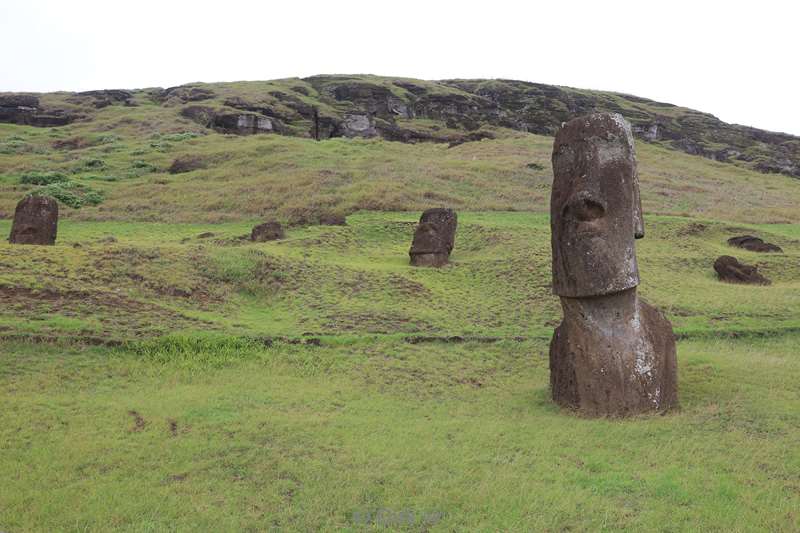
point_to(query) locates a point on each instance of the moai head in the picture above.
(434, 237)
(595, 210)
(35, 221)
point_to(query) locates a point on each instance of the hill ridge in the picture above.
(412, 110)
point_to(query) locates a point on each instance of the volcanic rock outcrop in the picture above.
(729, 269)
(25, 109)
(754, 244)
(35, 221)
(232, 122)
(613, 354)
(434, 238)
(268, 231)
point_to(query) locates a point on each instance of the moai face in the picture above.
(35, 221)
(595, 210)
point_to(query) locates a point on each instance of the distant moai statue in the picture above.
(613, 354)
(434, 237)
(35, 221)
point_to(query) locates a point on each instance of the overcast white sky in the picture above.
(737, 60)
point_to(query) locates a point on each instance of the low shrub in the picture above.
(42, 178)
(143, 166)
(90, 164)
(102, 178)
(178, 137)
(13, 147)
(71, 194)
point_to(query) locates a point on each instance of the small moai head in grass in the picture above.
(595, 210)
(434, 237)
(268, 231)
(35, 221)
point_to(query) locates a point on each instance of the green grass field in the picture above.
(218, 435)
(209, 417)
(160, 373)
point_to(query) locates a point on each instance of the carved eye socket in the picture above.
(584, 209)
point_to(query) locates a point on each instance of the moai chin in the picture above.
(613, 354)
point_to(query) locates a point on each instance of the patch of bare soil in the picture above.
(138, 421)
(692, 229)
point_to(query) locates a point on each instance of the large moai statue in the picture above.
(613, 354)
(35, 221)
(434, 237)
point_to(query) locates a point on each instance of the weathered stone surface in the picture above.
(358, 125)
(184, 93)
(245, 123)
(238, 123)
(35, 221)
(201, 114)
(594, 196)
(269, 110)
(19, 100)
(754, 244)
(106, 97)
(25, 109)
(729, 269)
(268, 231)
(186, 163)
(434, 238)
(613, 354)
(324, 127)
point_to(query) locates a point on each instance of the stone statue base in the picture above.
(430, 260)
(613, 355)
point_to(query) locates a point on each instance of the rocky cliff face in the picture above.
(406, 110)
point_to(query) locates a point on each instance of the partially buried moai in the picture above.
(613, 354)
(35, 221)
(434, 237)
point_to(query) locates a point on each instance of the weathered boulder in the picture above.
(729, 269)
(184, 93)
(106, 97)
(246, 123)
(25, 109)
(201, 114)
(434, 238)
(227, 122)
(323, 126)
(269, 110)
(268, 231)
(186, 163)
(19, 100)
(358, 125)
(613, 354)
(754, 244)
(35, 221)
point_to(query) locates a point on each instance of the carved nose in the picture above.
(584, 207)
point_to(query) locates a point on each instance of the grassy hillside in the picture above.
(158, 371)
(246, 177)
(324, 281)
